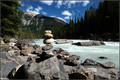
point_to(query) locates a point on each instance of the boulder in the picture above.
(106, 74)
(71, 62)
(91, 62)
(91, 43)
(102, 57)
(109, 65)
(48, 41)
(92, 69)
(63, 41)
(8, 61)
(48, 69)
(27, 51)
(74, 57)
(61, 54)
(101, 74)
(80, 73)
(61, 51)
(114, 74)
(13, 72)
(47, 47)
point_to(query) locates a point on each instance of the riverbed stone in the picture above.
(91, 62)
(109, 64)
(103, 57)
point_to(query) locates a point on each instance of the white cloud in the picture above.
(73, 2)
(34, 11)
(49, 3)
(67, 17)
(59, 3)
(58, 18)
(44, 13)
(66, 12)
(85, 3)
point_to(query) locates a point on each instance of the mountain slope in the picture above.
(37, 22)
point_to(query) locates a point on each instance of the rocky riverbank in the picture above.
(21, 60)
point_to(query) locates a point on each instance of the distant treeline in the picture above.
(100, 23)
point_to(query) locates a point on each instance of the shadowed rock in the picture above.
(48, 69)
(91, 62)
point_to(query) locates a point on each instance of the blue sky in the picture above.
(62, 9)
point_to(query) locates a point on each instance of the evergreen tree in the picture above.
(10, 18)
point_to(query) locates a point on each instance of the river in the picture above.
(110, 50)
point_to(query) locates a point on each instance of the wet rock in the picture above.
(71, 62)
(61, 51)
(91, 43)
(108, 65)
(91, 62)
(74, 57)
(63, 41)
(48, 69)
(102, 57)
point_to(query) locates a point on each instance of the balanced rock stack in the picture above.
(48, 40)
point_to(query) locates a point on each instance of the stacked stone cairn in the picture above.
(46, 49)
(48, 40)
(48, 37)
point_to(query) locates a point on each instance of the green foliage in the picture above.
(10, 19)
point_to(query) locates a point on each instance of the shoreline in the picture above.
(68, 60)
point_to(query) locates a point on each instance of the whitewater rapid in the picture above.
(110, 50)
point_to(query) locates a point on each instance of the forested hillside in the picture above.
(100, 23)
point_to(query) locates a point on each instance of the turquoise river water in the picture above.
(110, 50)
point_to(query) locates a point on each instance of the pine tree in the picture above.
(10, 18)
